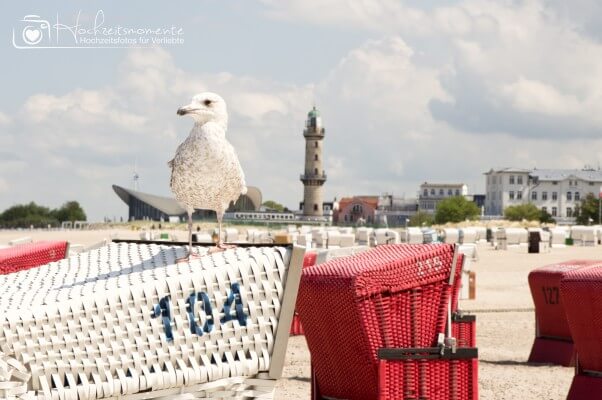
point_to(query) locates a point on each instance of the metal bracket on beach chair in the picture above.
(459, 316)
(427, 353)
(450, 342)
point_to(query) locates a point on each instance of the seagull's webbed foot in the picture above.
(190, 256)
(221, 247)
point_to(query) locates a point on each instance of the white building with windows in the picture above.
(557, 191)
(432, 193)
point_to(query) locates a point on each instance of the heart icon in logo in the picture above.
(32, 36)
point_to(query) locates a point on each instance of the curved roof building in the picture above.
(149, 206)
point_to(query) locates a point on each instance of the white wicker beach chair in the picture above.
(126, 322)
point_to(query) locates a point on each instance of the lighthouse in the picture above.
(314, 177)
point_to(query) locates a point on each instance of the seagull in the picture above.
(205, 172)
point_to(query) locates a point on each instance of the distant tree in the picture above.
(70, 211)
(271, 205)
(588, 210)
(456, 209)
(421, 219)
(26, 215)
(32, 214)
(545, 217)
(521, 212)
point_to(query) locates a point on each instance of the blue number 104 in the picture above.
(163, 310)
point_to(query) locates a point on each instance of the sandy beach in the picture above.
(504, 310)
(504, 338)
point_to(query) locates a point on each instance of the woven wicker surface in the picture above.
(544, 283)
(432, 380)
(390, 296)
(581, 291)
(117, 321)
(25, 256)
(308, 261)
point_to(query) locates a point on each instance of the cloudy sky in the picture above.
(410, 91)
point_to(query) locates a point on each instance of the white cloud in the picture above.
(384, 16)
(515, 61)
(4, 188)
(439, 93)
(537, 97)
(4, 119)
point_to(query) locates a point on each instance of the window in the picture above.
(315, 207)
(519, 179)
(346, 216)
(425, 193)
(554, 196)
(533, 195)
(511, 180)
(494, 179)
(316, 171)
(315, 157)
(544, 209)
(569, 196)
(519, 195)
(591, 183)
(555, 183)
(569, 212)
(316, 145)
(441, 192)
(554, 212)
(432, 192)
(511, 194)
(577, 196)
(457, 192)
(544, 196)
(449, 192)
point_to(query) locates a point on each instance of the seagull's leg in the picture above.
(189, 234)
(220, 246)
(190, 255)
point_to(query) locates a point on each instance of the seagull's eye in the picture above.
(207, 103)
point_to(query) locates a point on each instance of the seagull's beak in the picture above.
(185, 110)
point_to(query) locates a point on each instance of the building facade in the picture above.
(431, 194)
(556, 191)
(383, 210)
(314, 176)
(146, 206)
(352, 210)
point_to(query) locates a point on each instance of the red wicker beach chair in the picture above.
(377, 320)
(25, 256)
(296, 328)
(553, 342)
(581, 292)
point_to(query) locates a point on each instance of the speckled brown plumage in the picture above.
(205, 172)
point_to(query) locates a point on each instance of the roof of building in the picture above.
(166, 205)
(507, 170)
(586, 174)
(561, 174)
(370, 200)
(313, 113)
(170, 206)
(443, 184)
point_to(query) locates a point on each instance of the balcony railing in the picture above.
(321, 176)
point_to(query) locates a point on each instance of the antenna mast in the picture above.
(136, 176)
